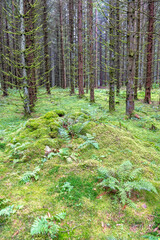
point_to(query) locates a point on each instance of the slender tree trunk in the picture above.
(158, 56)
(80, 50)
(131, 58)
(91, 62)
(27, 110)
(100, 58)
(106, 58)
(71, 23)
(46, 51)
(117, 47)
(96, 49)
(8, 53)
(30, 49)
(3, 76)
(149, 52)
(112, 57)
(137, 55)
(63, 67)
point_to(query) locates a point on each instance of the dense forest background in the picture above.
(79, 44)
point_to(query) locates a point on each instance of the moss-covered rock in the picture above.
(60, 113)
(50, 115)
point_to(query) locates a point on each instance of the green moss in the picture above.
(79, 114)
(50, 115)
(60, 113)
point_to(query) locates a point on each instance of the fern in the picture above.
(64, 134)
(123, 181)
(6, 212)
(30, 175)
(60, 216)
(89, 141)
(45, 225)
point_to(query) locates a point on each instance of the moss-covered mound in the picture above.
(30, 141)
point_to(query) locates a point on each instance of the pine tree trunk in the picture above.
(3, 76)
(96, 50)
(131, 58)
(112, 57)
(46, 51)
(80, 50)
(27, 110)
(149, 52)
(137, 55)
(91, 62)
(71, 23)
(63, 68)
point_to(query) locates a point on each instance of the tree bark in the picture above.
(46, 51)
(80, 50)
(63, 67)
(131, 58)
(149, 52)
(27, 110)
(112, 57)
(71, 23)
(137, 54)
(91, 62)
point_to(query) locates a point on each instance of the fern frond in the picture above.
(64, 133)
(60, 216)
(40, 226)
(7, 211)
(103, 172)
(27, 176)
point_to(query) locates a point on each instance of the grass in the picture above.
(90, 213)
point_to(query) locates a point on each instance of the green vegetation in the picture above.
(56, 155)
(124, 181)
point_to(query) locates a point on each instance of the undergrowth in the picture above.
(78, 142)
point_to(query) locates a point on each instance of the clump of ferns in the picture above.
(124, 181)
(47, 226)
(30, 175)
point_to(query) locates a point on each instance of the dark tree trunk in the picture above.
(80, 50)
(149, 52)
(71, 23)
(131, 58)
(63, 68)
(3, 76)
(112, 57)
(30, 50)
(91, 62)
(137, 55)
(46, 51)
(117, 47)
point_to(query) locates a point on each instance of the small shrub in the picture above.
(124, 181)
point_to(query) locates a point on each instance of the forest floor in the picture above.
(49, 168)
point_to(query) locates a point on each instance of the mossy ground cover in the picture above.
(68, 179)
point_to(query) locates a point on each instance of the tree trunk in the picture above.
(112, 57)
(149, 52)
(131, 58)
(117, 48)
(27, 110)
(46, 51)
(3, 76)
(71, 23)
(63, 68)
(91, 62)
(137, 55)
(80, 50)
(96, 49)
